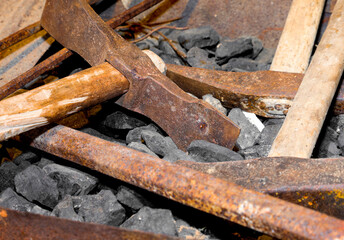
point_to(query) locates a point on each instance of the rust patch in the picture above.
(3, 213)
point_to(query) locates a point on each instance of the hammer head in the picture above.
(76, 26)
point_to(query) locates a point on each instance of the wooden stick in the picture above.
(55, 100)
(296, 43)
(300, 130)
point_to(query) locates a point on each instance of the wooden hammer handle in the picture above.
(296, 43)
(55, 100)
(301, 128)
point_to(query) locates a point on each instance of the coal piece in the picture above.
(102, 208)
(134, 135)
(157, 143)
(35, 185)
(198, 57)
(204, 151)
(142, 148)
(70, 181)
(27, 156)
(201, 37)
(131, 198)
(65, 209)
(228, 49)
(121, 121)
(159, 221)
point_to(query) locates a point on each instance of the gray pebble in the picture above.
(156, 142)
(65, 209)
(120, 120)
(198, 57)
(134, 135)
(232, 48)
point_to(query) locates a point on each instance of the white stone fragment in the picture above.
(252, 118)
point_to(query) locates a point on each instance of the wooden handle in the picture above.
(301, 128)
(296, 43)
(55, 100)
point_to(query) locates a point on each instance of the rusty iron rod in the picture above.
(54, 60)
(187, 186)
(20, 225)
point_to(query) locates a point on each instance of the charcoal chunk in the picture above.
(269, 134)
(35, 185)
(214, 102)
(142, 148)
(329, 148)
(65, 209)
(227, 49)
(95, 133)
(265, 56)
(156, 142)
(70, 181)
(159, 221)
(134, 135)
(249, 133)
(10, 199)
(120, 120)
(102, 208)
(340, 140)
(169, 59)
(198, 57)
(27, 156)
(8, 170)
(43, 162)
(203, 151)
(176, 155)
(131, 198)
(201, 37)
(38, 210)
(245, 64)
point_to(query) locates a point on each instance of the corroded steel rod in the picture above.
(20, 225)
(204, 192)
(54, 60)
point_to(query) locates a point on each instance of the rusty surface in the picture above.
(265, 93)
(54, 60)
(184, 118)
(20, 225)
(20, 35)
(313, 183)
(193, 188)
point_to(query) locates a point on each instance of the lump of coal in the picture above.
(43, 162)
(8, 170)
(214, 102)
(269, 134)
(201, 37)
(198, 57)
(159, 221)
(95, 133)
(27, 156)
(35, 185)
(203, 151)
(65, 209)
(70, 181)
(176, 155)
(134, 135)
(156, 142)
(102, 208)
(232, 48)
(131, 198)
(142, 148)
(244, 64)
(10, 199)
(120, 120)
(249, 133)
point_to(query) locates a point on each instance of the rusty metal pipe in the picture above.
(204, 192)
(20, 225)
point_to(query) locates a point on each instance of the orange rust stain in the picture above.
(3, 213)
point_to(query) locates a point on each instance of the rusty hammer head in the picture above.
(76, 26)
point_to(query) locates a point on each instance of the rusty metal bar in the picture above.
(204, 192)
(20, 35)
(20, 225)
(265, 93)
(54, 60)
(319, 183)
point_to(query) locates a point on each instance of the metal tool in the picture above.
(75, 25)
